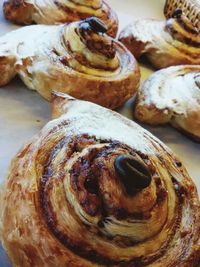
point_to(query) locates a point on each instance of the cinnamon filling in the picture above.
(89, 50)
(94, 183)
(183, 30)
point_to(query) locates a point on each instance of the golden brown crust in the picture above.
(66, 205)
(172, 96)
(74, 59)
(170, 43)
(18, 11)
(7, 69)
(58, 12)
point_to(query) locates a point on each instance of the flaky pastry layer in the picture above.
(172, 95)
(70, 58)
(59, 11)
(64, 204)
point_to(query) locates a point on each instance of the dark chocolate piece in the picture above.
(96, 25)
(177, 13)
(133, 172)
(91, 186)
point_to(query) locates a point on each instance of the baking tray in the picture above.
(24, 112)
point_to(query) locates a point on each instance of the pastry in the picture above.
(95, 189)
(78, 59)
(165, 43)
(191, 9)
(172, 95)
(60, 11)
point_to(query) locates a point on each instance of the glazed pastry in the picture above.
(172, 95)
(95, 189)
(78, 59)
(191, 9)
(60, 11)
(174, 42)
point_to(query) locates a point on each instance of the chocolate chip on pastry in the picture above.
(191, 9)
(172, 95)
(165, 43)
(59, 11)
(95, 189)
(78, 59)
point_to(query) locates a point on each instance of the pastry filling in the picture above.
(108, 195)
(89, 51)
(182, 29)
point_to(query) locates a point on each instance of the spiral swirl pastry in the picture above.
(60, 11)
(172, 95)
(78, 58)
(191, 9)
(164, 44)
(95, 189)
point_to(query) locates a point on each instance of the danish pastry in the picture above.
(174, 42)
(95, 189)
(59, 11)
(172, 95)
(191, 9)
(78, 59)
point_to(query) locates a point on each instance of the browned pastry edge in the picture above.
(165, 122)
(136, 47)
(105, 92)
(90, 79)
(18, 11)
(7, 69)
(151, 108)
(60, 106)
(163, 119)
(161, 43)
(191, 136)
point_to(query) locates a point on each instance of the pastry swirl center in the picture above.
(90, 51)
(80, 180)
(183, 30)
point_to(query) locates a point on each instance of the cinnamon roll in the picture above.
(191, 9)
(95, 189)
(172, 95)
(60, 11)
(174, 42)
(78, 59)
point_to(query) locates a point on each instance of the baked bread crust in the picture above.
(72, 58)
(174, 42)
(58, 12)
(64, 203)
(172, 95)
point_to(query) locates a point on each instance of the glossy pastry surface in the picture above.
(95, 189)
(165, 43)
(172, 95)
(60, 11)
(78, 59)
(191, 9)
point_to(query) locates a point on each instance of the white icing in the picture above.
(30, 41)
(154, 35)
(173, 88)
(39, 42)
(105, 125)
